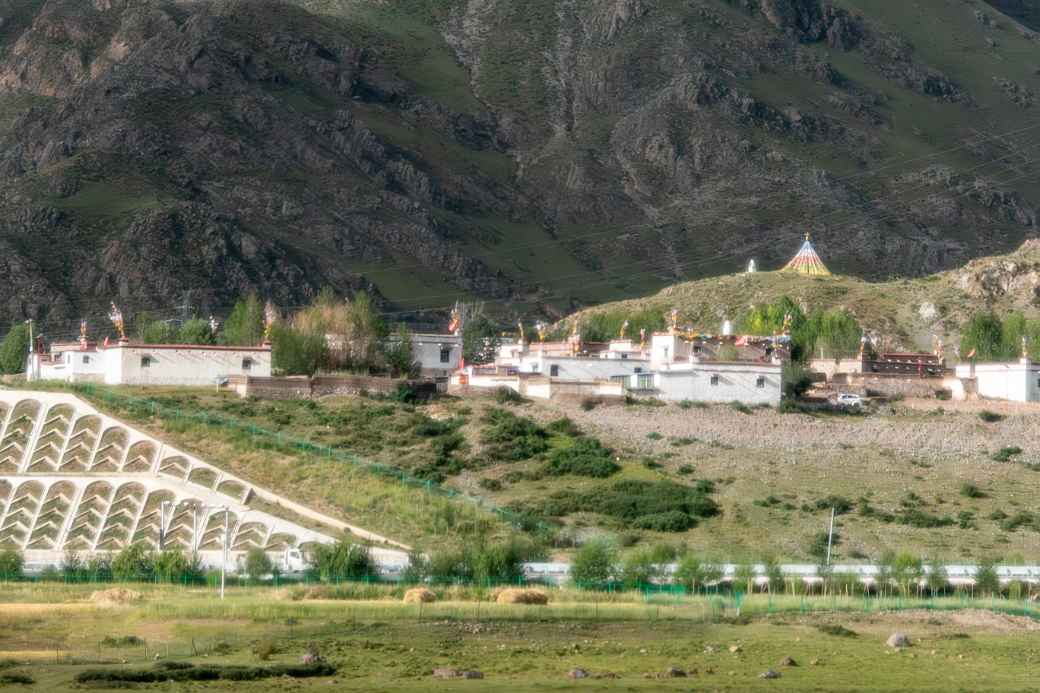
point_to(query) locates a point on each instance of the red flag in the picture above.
(106, 342)
(741, 341)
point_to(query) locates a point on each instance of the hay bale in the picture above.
(115, 596)
(419, 595)
(522, 596)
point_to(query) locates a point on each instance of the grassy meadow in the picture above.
(52, 634)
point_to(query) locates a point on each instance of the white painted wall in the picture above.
(583, 368)
(733, 381)
(182, 365)
(428, 350)
(1016, 382)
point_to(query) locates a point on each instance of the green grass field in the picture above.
(53, 633)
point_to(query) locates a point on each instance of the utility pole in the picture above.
(830, 537)
(30, 371)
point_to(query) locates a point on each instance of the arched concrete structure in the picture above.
(75, 479)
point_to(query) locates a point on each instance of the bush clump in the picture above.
(640, 504)
(511, 438)
(1006, 454)
(505, 395)
(121, 641)
(586, 457)
(203, 673)
(990, 416)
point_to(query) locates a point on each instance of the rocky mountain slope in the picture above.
(906, 313)
(544, 155)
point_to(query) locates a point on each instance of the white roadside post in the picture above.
(223, 558)
(830, 537)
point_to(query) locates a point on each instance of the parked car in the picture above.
(849, 400)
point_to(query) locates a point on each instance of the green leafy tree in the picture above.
(480, 340)
(196, 331)
(638, 569)
(744, 577)
(937, 580)
(245, 325)
(14, 350)
(594, 563)
(258, 564)
(773, 573)
(398, 354)
(907, 571)
(984, 334)
(148, 330)
(72, 565)
(830, 334)
(294, 352)
(11, 564)
(987, 582)
(343, 560)
(171, 565)
(133, 563)
(695, 573)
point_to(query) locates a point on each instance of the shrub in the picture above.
(509, 437)
(836, 630)
(654, 435)
(121, 641)
(586, 457)
(990, 416)
(13, 677)
(594, 563)
(490, 484)
(685, 470)
(589, 404)
(565, 427)
(11, 564)
(796, 381)
(670, 521)
(14, 349)
(264, 650)
(1005, 454)
(840, 504)
(970, 490)
(635, 502)
(740, 406)
(505, 395)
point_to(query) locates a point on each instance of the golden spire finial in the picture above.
(808, 236)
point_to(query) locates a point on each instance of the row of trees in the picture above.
(600, 562)
(818, 334)
(996, 339)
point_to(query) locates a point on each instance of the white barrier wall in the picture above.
(1015, 382)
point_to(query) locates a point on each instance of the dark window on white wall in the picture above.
(445, 355)
(761, 382)
(86, 359)
(146, 361)
(554, 371)
(247, 364)
(714, 380)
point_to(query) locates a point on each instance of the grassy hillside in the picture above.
(728, 482)
(907, 312)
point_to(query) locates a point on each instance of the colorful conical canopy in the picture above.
(807, 261)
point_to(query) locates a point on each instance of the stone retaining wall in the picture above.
(302, 387)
